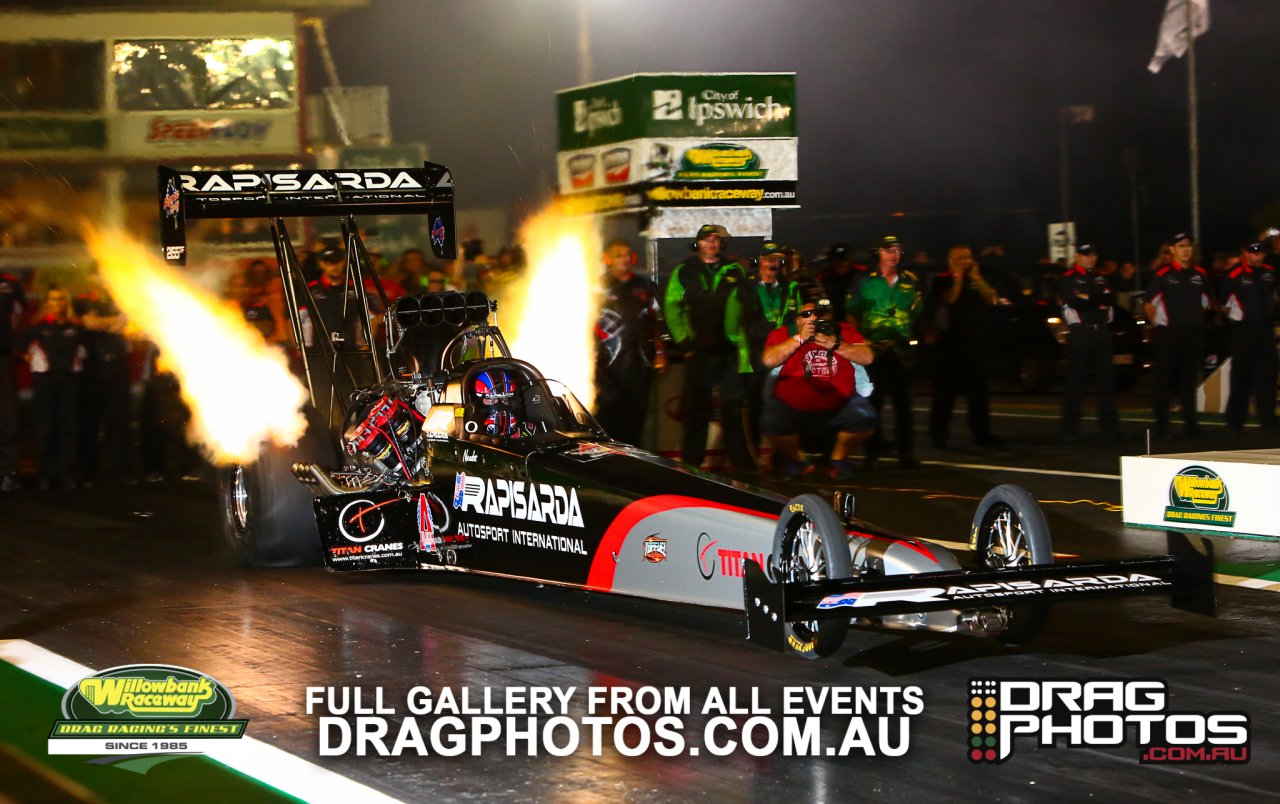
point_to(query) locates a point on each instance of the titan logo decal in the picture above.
(294, 182)
(361, 521)
(1197, 494)
(978, 591)
(533, 502)
(1077, 713)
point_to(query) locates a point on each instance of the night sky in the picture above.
(944, 110)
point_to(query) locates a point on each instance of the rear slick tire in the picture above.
(1010, 531)
(268, 517)
(810, 544)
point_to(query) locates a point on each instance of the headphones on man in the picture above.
(724, 238)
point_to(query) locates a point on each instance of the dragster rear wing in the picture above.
(1186, 574)
(194, 194)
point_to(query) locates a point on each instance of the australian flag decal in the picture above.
(438, 233)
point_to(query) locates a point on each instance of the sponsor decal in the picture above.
(521, 538)
(979, 591)
(732, 562)
(590, 116)
(706, 559)
(167, 130)
(533, 502)
(433, 520)
(617, 165)
(745, 194)
(469, 456)
(438, 233)
(1095, 713)
(720, 160)
(582, 171)
(172, 201)
(1198, 495)
(299, 182)
(174, 252)
(587, 451)
(145, 709)
(655, 549)
(362, 520)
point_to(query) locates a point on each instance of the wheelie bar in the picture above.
(1186, 574)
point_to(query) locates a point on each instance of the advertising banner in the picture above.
(707, 105)
(689, 139)
(205, 133)
(1231, 493)
(60, 136)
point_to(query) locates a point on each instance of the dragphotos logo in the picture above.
(1099, 713)
(532, 502)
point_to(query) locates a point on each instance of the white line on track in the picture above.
(1023, 470)
(254, 758)
(1247, 583)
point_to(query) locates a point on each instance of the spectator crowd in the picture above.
(801, 356)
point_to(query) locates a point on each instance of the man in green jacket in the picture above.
(694, 308)
(757, 307)
(884, 307)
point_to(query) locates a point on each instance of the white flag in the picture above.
(1172, 41)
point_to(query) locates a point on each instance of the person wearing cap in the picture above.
(821, 387)
(330, 299)
(1248, 297)
(841, 276)
(628, 344)
(1087, 309)
(957, 306)
(885, 307)
(1177, 296)
(759, 305)
(694, 306)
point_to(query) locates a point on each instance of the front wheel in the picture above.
(810, 544)
(1009, 531)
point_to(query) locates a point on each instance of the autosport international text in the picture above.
(627, 721)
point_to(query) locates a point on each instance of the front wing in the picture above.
(1186, 574)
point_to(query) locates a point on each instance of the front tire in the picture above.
(810, 544)
(1009, 531)
(268, 519)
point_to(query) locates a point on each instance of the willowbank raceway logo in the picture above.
(1098, 713)
(1198, 495)
(145, 708)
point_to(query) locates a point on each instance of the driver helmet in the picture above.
(494, 388)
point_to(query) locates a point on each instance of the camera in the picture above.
(824, 324)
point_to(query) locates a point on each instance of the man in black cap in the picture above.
(1177, 297)
(1248, 297)
(1087, 309)
(694, 306)
(884, 307)
(840, 277)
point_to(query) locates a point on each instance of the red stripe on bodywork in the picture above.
(600, 578)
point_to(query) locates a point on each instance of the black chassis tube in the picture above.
(1186, 574)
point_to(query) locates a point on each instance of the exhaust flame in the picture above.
(239, 389)
(552, 311)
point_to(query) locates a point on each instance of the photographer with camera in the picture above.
(821, 386)
(957, 311)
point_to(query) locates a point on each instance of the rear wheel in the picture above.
(1010, 531)
(810, 544)
(267, 515)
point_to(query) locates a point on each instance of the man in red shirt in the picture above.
(820, 385)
